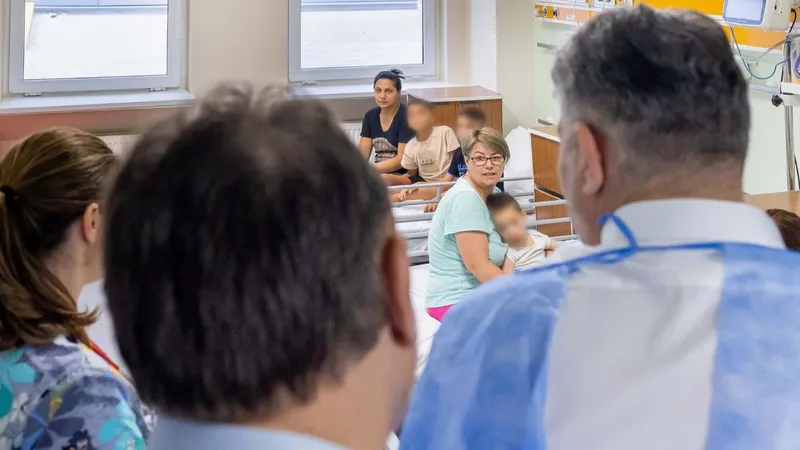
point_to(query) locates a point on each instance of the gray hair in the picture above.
(489, 138)
(663, 86)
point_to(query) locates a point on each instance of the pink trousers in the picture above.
(439, 312)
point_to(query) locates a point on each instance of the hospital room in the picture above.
(399, 224)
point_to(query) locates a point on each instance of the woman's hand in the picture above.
(394, 164)
(474, 249)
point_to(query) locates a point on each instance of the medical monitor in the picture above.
(764, 14)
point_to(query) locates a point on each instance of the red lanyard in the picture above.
(99, 352)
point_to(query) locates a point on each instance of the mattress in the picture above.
(407, 228)
(427, 326)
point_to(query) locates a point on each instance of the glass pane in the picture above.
(95, 38)
(357, 33)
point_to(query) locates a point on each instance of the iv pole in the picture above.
(788, 108)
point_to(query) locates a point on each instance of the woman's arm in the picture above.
(508, 266)
(474, 249)
(365, 145)
(392, 165)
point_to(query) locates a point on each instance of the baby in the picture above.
(526, 248)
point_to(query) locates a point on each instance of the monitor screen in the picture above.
(745, 10)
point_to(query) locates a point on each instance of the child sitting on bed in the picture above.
(428, 155)
(525, 249)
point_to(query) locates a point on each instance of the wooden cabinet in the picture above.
(545, 147)
(552, 212)
(790, 201)
(447, 102)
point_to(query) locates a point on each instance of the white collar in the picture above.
(686, 221)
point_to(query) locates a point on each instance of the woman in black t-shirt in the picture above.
(385, 127)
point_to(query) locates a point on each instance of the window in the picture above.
(354, 39)
(95, 45)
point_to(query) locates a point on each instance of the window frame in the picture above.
(430, 46)
(176, 51)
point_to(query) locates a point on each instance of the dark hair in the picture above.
(241, 253)
(474, 113)
(650, 80)
(424, 103)
(395, 75)
(500, 201)
(46, 183)
(789, 225)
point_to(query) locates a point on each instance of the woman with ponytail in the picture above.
(58, 390)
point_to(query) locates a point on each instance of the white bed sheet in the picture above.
(427, 326)
(406, 228)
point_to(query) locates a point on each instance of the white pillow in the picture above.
(521, 162)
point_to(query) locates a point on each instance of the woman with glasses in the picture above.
(463, 245)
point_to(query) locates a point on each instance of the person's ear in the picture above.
(397, 286)
(591, 155)
(90, 223)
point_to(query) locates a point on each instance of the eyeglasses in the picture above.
(496, 160)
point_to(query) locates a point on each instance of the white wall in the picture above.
(765, 169)
(516, 45)
(482, 42)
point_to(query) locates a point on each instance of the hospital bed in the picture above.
(413, 223)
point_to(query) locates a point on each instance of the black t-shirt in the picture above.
(385, 142)
(458, 168)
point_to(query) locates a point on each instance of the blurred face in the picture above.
(485, 166)
(582, 169)
(465, 127)
(420, 118)
(386, 94)
(510, 223)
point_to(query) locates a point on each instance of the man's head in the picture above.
(252, 263)
(653, 106)
(789, 225)
(420, 116)
(508, 217)
(468, 121)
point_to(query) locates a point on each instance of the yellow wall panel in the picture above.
(745, 36)
(712, 7)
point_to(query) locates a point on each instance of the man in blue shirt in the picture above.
(259, 292)
(676, 327)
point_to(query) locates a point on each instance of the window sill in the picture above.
(353, 91)
(95, 102)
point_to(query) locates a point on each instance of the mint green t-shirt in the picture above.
(462, 209)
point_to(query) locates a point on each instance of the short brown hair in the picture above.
(424, 103)
(500, 201)
(231, 274)
(47, 182)
(789, 225)
(474, 113)
(489, 138)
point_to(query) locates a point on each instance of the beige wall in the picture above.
(765, 169)
(237, 40)
(246, 40)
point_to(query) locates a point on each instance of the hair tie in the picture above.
(11, 195)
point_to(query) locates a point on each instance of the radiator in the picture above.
(353, 129)
(119, 143)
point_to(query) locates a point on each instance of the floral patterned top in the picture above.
(54, 397)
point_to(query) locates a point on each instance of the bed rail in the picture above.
(526, 202)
